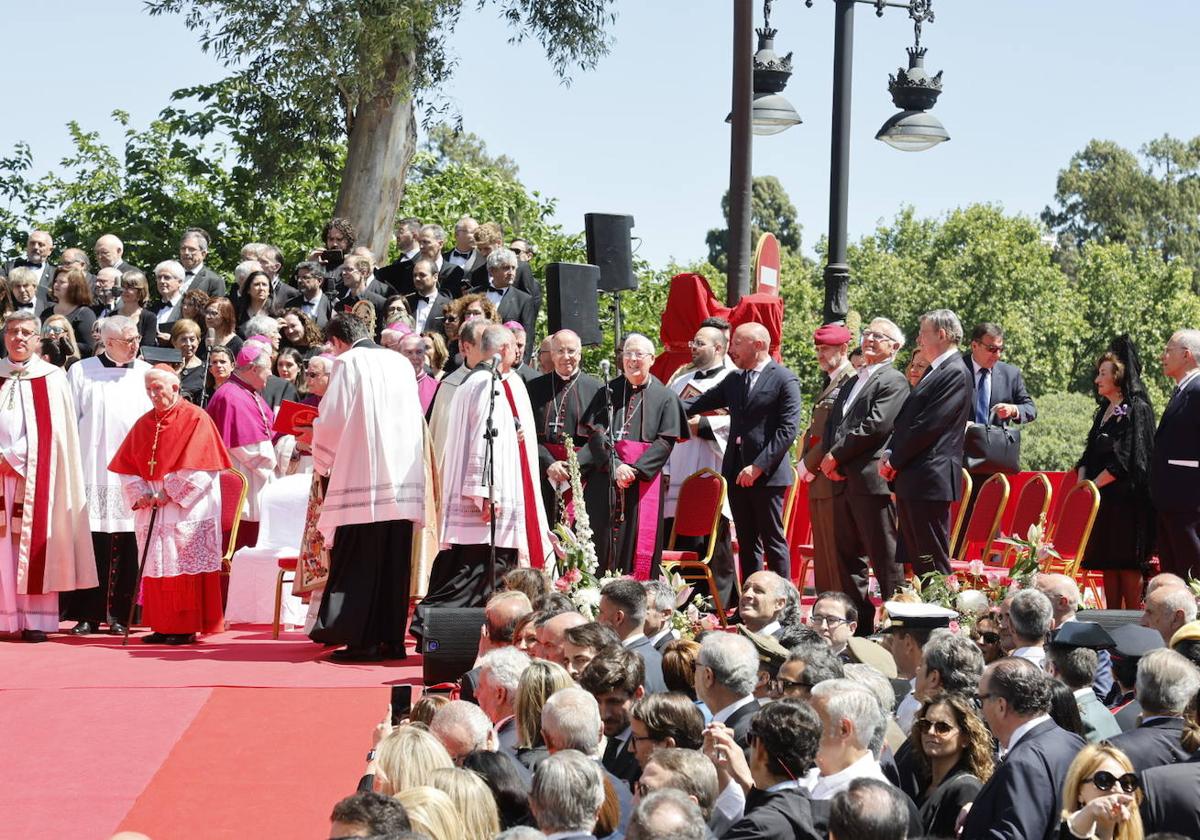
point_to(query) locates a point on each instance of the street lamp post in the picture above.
(913, 129)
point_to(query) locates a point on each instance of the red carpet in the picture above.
(237, 736)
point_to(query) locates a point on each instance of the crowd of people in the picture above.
(447, 441)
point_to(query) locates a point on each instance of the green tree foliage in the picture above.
(450, 145)
(1147, 201)
(1056, 439)
(771, 211)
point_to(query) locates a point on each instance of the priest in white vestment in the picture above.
(369, 442)
(704, 449)
(45, 541)
(110, 395)
(462, 575)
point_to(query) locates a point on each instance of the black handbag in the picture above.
(992, 448)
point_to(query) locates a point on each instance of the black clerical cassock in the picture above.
(647, 421)
(558, 406)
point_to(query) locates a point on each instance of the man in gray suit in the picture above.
(193, 250)
(1072, 661)
(864, 515)
(567, 793)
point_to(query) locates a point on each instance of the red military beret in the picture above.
(831, 335)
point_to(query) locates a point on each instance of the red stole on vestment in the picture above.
(647, 522)
(533, 535)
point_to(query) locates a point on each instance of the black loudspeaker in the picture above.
(572, 300)
(610, 246)
(450, 642)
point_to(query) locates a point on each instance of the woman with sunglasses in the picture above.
(1101, 796)
(953, 756)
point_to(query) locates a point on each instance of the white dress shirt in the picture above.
(1021, 731)
(865, 767)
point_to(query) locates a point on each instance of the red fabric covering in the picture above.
(183, 604)
(41, 488)
(691, 300)
(533, 534)
(188, 440)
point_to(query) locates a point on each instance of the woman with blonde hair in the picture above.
(406, 758)
(432, 813)
(953, 756)
(1102, 796)
(538, 682)
(472, 798)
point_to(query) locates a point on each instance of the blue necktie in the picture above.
(981, 397)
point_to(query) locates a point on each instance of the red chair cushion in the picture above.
(288, 564)
(669, 556)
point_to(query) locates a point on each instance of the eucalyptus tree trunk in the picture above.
(382, 140)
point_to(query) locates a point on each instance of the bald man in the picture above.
(559, 400)
(110, 253)
(764, 414)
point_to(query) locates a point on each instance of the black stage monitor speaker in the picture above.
(572, 300)
(609, 245)
(451, 642)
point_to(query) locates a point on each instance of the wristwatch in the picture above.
(370, 755)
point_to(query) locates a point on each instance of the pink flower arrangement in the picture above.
(954, 627)
(953, 583)
(567, 580)
(975, 568)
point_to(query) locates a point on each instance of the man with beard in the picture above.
(559, 400)
(705, 448)
(647, 420)
(110, 396)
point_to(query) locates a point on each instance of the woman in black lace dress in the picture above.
(1117, 459)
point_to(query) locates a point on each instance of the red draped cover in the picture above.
(691, 300)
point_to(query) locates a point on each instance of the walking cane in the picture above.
(137, 584)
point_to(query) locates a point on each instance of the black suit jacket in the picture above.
(927, 443)
(1170, 799)
(322, 312)
(398, 276)
(45, 279)
(525, 281)
(1023, 799)
(1153, 744)
(739, 722)
(208, 281)
(517, 305)
(761, 431)
(1008, 386)
(857, 437)
(620, 760)
(1175, 488)
(775, 815)
(436, 320)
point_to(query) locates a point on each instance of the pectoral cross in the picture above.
(12, 390)
(152, 463)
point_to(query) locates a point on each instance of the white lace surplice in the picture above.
(187, 533)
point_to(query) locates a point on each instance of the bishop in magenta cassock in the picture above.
(45, 541)
(647, 420)
(171, 461)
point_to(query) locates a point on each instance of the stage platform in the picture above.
(240, 735)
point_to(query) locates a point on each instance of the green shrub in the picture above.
(1056, 439)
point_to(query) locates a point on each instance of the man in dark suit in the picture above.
(283, 295)
(489, 237)
(500, 617)
(310, 280)
(925, 456)
(864, 515)
(726, 675)
(169, 277)
(193, 249)
(614, 677)
(764, 414)
(1023, 798)
(38, 246)
(511, 303)
(1166, 683)
(428, 302)
(499, 675)
(354, 286)
(463, 254)
(1169, 799)
(623, 608)
(1175, 468)
(399, 274)
(833, 345)
(110, 253)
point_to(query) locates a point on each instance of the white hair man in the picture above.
(511, 302)
(38, 247)
(107, 291)
(168, 275)
(571, 721)
(1174, 471)
(500, 616)
(852, 722)
(243, 419)
(170, 465)
(1064, 596)
(110, 253)
(462, 574)
(764, 410)
(1030, 616)
(1166, 685)
(559, 399)
(667, 814)
(660, 607)
(499, 675)
(1167, 609)
(40, 456)
(726, 676)
(647, 420)
(462, 728)
(566, 796)
(110, 395)
(925, 458)
(704, 449)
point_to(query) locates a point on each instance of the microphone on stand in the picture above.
(496, 365)
(211, 340)
(604, 366)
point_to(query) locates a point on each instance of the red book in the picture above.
(293, 414)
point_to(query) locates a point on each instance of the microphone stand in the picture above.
(489, 472)
(616, 501)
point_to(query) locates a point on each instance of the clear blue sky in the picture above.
(1027, 83)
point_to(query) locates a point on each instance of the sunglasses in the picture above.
(989, 638)
(1104, 781)
(938, 727)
